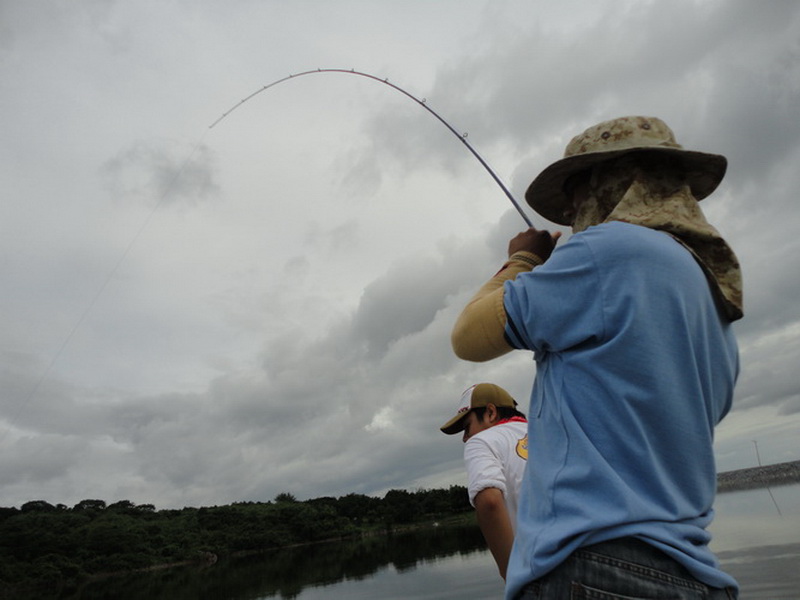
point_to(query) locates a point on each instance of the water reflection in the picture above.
(757, 539)
(755, 543)
(285, 573)
(751, 518)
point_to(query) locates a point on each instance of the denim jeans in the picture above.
(622, 569)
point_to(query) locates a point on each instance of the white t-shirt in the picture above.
(496, 458)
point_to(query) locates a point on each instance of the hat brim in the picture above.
(456, 424)
(546, 196)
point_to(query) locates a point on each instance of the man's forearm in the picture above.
(495, 525)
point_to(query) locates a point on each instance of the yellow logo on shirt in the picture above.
(522, 448)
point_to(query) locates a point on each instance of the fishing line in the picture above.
(423, 103)
(46, 373)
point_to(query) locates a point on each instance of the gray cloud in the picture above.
(287, 327)
(156, 174)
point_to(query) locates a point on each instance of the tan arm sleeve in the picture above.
(478, 332)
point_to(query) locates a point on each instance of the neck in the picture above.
(512, 420)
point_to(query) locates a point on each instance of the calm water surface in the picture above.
(756, 535)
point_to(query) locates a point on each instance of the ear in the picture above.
(492, 413)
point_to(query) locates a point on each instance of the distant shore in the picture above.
(757, 477)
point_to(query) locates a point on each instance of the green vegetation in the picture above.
(56, 548)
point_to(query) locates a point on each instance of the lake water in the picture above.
(756, 535)
(757, 539)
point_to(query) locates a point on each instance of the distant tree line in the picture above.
(55, 547)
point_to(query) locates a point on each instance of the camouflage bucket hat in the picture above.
(612, 139)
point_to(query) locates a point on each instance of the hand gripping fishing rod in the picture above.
(422, 103)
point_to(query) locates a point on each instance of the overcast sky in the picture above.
(195, 316)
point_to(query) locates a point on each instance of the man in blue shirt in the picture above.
(630, 327)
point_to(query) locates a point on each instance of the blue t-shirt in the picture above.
(634, 367)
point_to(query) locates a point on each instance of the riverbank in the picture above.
(784, 473)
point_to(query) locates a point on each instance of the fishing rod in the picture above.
(422, 103)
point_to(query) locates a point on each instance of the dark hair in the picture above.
(504, 412)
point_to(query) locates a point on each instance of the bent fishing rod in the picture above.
(422, 103)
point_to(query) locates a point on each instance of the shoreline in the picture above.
(785, 473)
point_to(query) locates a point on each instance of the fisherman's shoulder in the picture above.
(620, 236)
